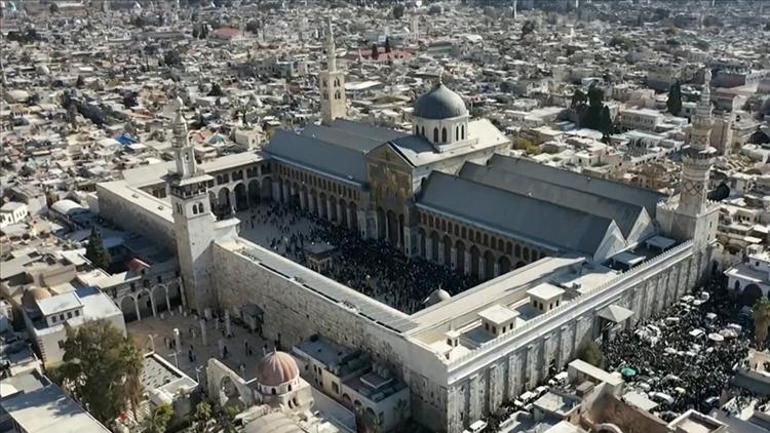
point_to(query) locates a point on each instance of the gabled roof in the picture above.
(624, 214)
(520, 216)
(319, 155)
(576, 181)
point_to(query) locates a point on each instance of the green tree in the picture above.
(761, 315)
(99, 364)
(387, 44)
(578, 98)
(203, 414)
(375, 52)
(527, 28)
(592, 354)
(674, 101)
(158, 420)
(95, 251)
(53, 8)
(398, 11)
(216, 90)
(80, 82)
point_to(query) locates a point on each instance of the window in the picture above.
(77, 313)
(160, 279)
(435, 135)
(272, 391)
(457, 133)
(335, 388)
(462, 131)
(61, 344)
(69, 314)
(443, 135)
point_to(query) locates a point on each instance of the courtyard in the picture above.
(371, 267)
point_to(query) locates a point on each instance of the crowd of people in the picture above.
(372, 267)
(687, 353)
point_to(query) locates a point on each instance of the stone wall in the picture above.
(132, 215)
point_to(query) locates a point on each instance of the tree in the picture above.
(578, 98)
(674, 101)
(53, 8)
(398, 11)
(203, 414)
(592, 354)
(172, 58)
(605, 123)
(761, 315)
(216, 90)
(95, 251)
(99, 363)
(527, 28)
(80, 83)
(129, 99)
(158, 419)
(387, 44)
(375, 52)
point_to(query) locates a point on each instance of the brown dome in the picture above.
(31, 297)
(277, 368)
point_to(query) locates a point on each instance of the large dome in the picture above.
(437, 296)
(277, 368)
(440, 103)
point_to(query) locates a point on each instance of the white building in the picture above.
(751, 278)
(48, 317)
(12, 213)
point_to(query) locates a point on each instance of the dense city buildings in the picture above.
(457, 216)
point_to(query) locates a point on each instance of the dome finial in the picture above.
(440, 78)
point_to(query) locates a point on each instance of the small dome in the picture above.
(437, 296)
(440, 103)
(31, 297)
(277, 368)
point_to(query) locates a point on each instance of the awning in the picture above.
(615, 313)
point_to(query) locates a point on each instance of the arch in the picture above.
(381, 221)
(333, 216)
(457, 133)
(392, 227)
(267, 189)
(241, 197)
(223, 200)
(462, 132)
(422, 131)
(353, 210)
(434, 239)
(750, 295)
(489, 265)
(344, 213)
(475, 255)
(322, 205)
(213, 203)
(435, 135)
(447, 241)
(421, 243)
(443, 135)
(520, 264)
(346, 400)
(460, 255)
(503, 264)
(160, 297)
(144, 304)
(128, 307)
(401, 229)
(525, 254)
(229, 394)
(255, 191)
(517, 250)
(304, 198)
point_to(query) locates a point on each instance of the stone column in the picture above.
(329, 210)
(429, 248)
(339, 212)
(441, 252)
(285, 193)
(454, 257)
(363, 224)
(276, 191)
(228, 326)
(408, 242)
(483, 268)
(233, 203)
(497, 268)
(168, 301)
(302, 200)
(138, 313)
(316, 205)
(177, 340)
(204, 338)
(152, 306)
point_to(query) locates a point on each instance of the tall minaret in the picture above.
(193, 220)
(333, 100)
(697, 219)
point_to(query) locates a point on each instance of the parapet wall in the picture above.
(136, 211)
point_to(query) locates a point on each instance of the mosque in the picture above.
(564, 258)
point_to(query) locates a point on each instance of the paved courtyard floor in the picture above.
(159, 332)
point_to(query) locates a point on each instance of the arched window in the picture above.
(289, 387)
(435, 135)
(423, 131)
(443, 135)
(272, 391)
(462, 131)
(457, 133)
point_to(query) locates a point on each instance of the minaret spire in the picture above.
(186, 166)
(331, 51)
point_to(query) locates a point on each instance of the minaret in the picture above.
(695, 218)
(333, 100)
(193, 220)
